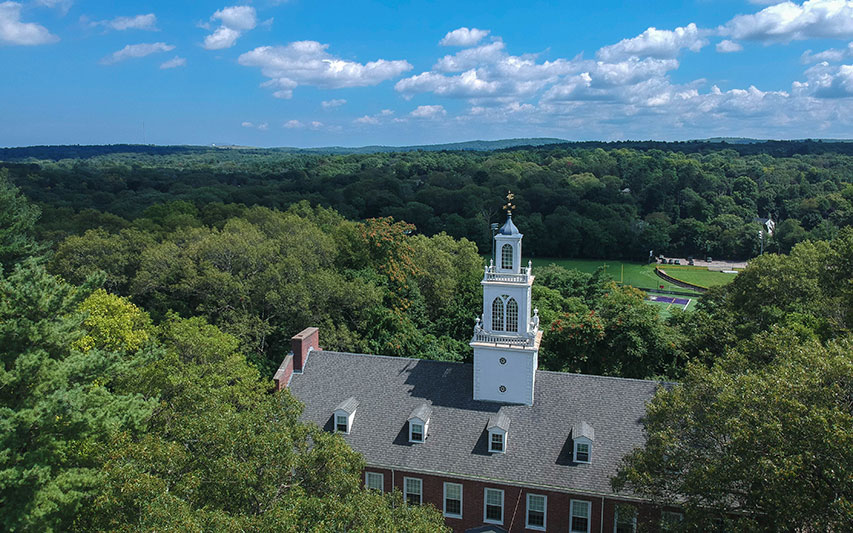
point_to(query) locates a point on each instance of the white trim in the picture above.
(582, 440)
(444, 501)
(406, 489)
(616, 518)
(485, 505)
(381, 480)
(503, 435)
(588, 515)
(413, 422)
(337, 422)
(544, 525)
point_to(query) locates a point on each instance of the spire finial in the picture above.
(508, 206)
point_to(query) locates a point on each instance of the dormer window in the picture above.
(583, 435)
(498, 429)
(345, 414)
(419, 423)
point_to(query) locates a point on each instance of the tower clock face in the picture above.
(502, 360)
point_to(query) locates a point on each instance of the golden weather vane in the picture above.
(509, 207)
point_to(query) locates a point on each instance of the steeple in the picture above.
(506, 336)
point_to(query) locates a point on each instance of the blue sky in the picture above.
(320, 73)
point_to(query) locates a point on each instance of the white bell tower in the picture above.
(506, 336)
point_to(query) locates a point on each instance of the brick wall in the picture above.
(301, 344)
(282, 375)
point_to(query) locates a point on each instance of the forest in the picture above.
(146, 298)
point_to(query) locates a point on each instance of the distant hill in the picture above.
(742, 145)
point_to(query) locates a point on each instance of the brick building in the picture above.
(496, 446)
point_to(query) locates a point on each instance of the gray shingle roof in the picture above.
(423, 411)
(349, 405)
(499, 420)
(509, 228)
(582, 429)
(389, 388)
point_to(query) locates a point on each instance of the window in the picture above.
(417, 432)
(496, 442)
(494, 506)
(669, 520)
(374, 481)
(341, 423)
(497, 315)
(512, 315)
(581, 452)
(413, 489)
(580, 512)
(626, 519)
(506, 256)
(453, 500)
(536, 506)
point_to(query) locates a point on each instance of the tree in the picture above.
(763, 440)
(58, 405)
(17, 221)
(112, 323)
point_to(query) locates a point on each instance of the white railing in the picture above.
(490, 273)
(511, 340)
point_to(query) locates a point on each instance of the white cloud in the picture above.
(175, 62)
(428, 111)
(234, 21)
(661, 44)
(463, 37)
(62, 5)
(333, 103)
(726, 46)
(138, 22)
(293, 124)
(262, 126)
(367, 119)
(308, 63)
(136, 50)
(786, 21)
(13, 31)
(386, 112)
(247, 124)
(316, 125)
(471, 57)
(827, 81)
(833, 55)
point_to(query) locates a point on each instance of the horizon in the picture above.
(286, 73)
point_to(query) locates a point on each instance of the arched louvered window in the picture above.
(506, 256)
(497, 315)
(512, 315)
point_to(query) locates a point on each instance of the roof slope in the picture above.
(539, 445)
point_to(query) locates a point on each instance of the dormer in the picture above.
(419, 423)
(344, 415)
(582, 436)
(498, 429)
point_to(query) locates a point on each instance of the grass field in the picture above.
(697, 275)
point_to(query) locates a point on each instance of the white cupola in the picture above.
(506, 336)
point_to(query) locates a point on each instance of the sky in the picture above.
(353, 73)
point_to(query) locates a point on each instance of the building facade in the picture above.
(496, 446)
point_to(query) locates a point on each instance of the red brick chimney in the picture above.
(307, 339)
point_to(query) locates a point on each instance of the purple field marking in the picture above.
(669, 300)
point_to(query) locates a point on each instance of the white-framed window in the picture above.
(512, 315)
(341, 423)
(579, 516)
(625, 519)
(497, 314)
(493, 506)
(583, 451)
(413, 490)
(506, 256)
(374, 481)
(416, 431)
(496, 442)
(453, 500)
(669, 520)
(537, 509)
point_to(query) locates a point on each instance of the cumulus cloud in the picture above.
(463, 37)
(428, 111)
(827, 81)
(62, 5)
(367, 119)
(13, 31)
(308, 63)
(786, 22)
(175, 62)
(293, 124)
(726, 46)
(833, 55)
(333, 103)
(234, 21)
(262, 126)
(138, 22)
(136, 50)
(662, 44)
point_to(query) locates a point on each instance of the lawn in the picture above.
(638, 275)
(698, 275)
